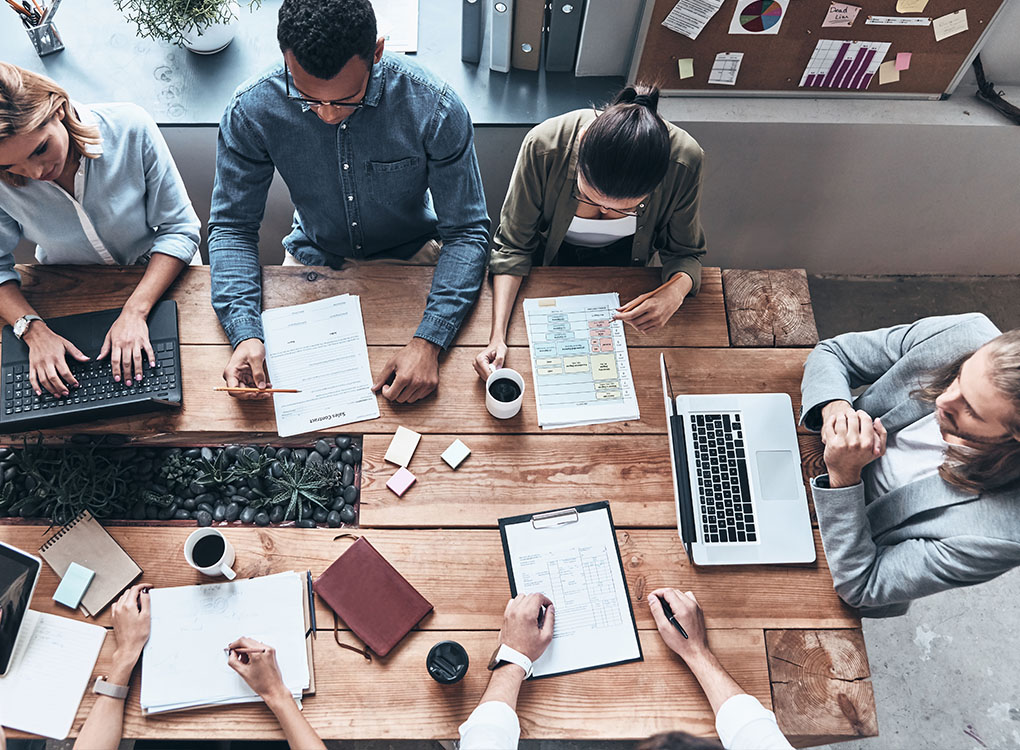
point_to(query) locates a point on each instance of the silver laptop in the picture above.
(737, 483)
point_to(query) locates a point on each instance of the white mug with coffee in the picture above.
(504, 392)
(209, 552)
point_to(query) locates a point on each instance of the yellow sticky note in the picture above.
(887, 72)
(950, 25)
(686, 67)
(910, 6)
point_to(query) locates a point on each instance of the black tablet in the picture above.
(19, 572)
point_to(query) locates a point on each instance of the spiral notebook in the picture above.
(86, 542)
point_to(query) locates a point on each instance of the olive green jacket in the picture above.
(539, 205)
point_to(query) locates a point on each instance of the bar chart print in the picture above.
(838, 64)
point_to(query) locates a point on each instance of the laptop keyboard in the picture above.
(720, 465)
(96, 385)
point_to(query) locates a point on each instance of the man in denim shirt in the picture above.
(365, 142)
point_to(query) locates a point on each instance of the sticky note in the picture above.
(400, 481)
(910, 6)
(73, 585)
(887, 73)
(950, 25)
(902, 60)
(402, 446)
(456, 453)
(841, 15)
(685, 66)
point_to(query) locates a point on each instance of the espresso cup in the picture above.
(209, 552)
(504, 379)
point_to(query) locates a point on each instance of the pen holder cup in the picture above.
(45, 39)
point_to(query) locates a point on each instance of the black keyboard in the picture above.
(720, 464)
(96, 386)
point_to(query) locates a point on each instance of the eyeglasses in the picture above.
(316, 104)
(580, 198)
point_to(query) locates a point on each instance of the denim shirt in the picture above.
(128, 202)
(396, 173)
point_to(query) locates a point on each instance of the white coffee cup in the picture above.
(503, 409)
(219, 568)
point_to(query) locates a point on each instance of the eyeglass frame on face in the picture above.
(317, 104)
(577, 195)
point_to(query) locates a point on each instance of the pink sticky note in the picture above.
(400, 481)
(902, 60)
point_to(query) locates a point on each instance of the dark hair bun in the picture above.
(640, 94)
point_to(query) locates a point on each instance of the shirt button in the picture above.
(343, 126)
(350, 197)
(357, 247)
(347, 166)
(354, 223)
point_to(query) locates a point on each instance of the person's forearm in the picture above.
(455, 283)
(297, 730)
(719, 687)
(504, 294)
(158, 276)
(236, 282)
(13, 304)
(504, 686)
(104, 726)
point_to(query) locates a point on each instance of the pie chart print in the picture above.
(761, 15)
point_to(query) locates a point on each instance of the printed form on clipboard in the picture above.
(571, 556)
(579, 361)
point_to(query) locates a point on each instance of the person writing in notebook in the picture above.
(620, 187)
(741, 721)
(89, 184)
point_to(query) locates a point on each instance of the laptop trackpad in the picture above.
(777, 475)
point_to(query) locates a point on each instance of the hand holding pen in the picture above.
(680, 621)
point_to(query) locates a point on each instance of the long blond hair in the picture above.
(993, 466)
(28, 101)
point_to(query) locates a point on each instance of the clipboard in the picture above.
(573, 552)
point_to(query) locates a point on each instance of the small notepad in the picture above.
(73, 585)
(456, 453)
(402, 447)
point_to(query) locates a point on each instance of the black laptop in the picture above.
(97, 396)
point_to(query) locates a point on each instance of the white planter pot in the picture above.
(215, 37)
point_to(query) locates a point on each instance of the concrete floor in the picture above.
(946, 675)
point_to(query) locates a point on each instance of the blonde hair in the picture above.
(994, 466)
(27, 102)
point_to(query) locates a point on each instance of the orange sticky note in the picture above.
(902, 60)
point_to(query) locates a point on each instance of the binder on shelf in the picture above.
(501, 35)
(472, 24)
(564, 30)
(608, 32)
(529, 23)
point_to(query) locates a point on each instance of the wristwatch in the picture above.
(22, 323)
(102, 687)
(506, 655)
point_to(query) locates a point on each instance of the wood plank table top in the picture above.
(780, 630)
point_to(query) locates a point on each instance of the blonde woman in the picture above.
(88, 185)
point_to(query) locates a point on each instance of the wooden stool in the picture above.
(769, 308)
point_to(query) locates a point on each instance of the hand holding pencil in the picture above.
(653, 309)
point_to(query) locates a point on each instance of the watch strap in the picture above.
(21, 324)
(506, 655)
(102, 687)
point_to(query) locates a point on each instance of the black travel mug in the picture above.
(447, 662)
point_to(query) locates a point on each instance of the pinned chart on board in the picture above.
(571, 555)
(758, 16)
(725, 68)
(579, 361)
(319, 348)
(841, 64)
(689, 17)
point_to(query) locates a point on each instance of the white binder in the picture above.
(608, 33)
(501, 34)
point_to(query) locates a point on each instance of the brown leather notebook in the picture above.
(371, 597)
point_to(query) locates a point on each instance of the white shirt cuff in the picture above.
(743, 723)
(491, 726)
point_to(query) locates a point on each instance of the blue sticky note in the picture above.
(73, 585)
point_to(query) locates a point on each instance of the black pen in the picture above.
(311, 603)
(669, 616)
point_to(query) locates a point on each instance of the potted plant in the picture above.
(202, 26)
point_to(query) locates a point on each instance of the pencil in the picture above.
(642, 297)
(255, 390)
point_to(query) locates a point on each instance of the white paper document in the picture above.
(49, 674)
(397, 21)
(725, 68)
(577, 565)
(579, 361)
(184, 664)
(689, 17)
(319, 348)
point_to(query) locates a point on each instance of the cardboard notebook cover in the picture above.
(371, 597)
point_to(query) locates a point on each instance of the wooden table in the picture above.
(780, 630)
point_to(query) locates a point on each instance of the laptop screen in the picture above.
(18, 574)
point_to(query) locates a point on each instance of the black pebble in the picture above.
(277, 469)
(314, 459)
(250, 453)
(334, 455)
(333, 519)
(206, 497)
(347, 515)
(10, 473)
(229, 490)
(289, 515)
(276, 514)
(152, 512)
(193, 453)
(319, 514)
(337, 504)
(305, 523)
(138, 511)
(247, 515)
(322, 448)
(181, 514)
(233, 513)
(347, 456)
(165, 514)
(219, 512)
(242, 482)
(255, 483)
(300, 455)
(350, 495)
(232, 451)
(261, 518)
(348, 476)
(284, 454)
(204, 518)
(342, 441)
(306, 509)
(189, 503)
(269, 451)
(196, 488)
(356, 450)
(207, 454)
(207, 507)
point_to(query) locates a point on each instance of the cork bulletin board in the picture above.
(775, 64)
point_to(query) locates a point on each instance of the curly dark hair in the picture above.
(324, 35)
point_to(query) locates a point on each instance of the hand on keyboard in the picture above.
(126, 342)
(47, 356)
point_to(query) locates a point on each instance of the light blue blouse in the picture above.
(127, 203)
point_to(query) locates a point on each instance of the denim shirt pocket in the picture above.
(389, 179)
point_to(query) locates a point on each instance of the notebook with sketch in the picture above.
(571, 556)
(184, 665)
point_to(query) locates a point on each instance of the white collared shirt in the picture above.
(743, 723)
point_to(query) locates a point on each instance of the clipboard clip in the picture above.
(555, 518)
